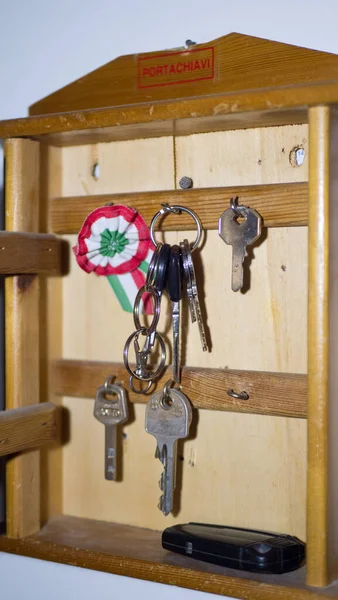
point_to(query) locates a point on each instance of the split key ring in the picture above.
(176, 209)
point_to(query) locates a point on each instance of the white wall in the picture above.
(45, 45)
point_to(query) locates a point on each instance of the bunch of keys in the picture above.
(239, 236)
(180, 268)
(169, 268)
(111, 413)
(168, 419)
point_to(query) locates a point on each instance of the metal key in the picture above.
(174, 286)
(188, 282)
(239, 236)
(111, 413)
(192, 291)
(168, 418)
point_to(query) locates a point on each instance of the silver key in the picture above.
(174, 287)
(192, 291)
(187, 277)
(111, 413)
(168, 420)
(176, 318)
(239, 236)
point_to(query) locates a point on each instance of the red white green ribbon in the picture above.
(127, 285)
(114, 241)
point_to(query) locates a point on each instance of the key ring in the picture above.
(109, 385)
(133, 389)
(166, 395)
(176, 209)
(150, 280)
(157, 308)
(160, 367)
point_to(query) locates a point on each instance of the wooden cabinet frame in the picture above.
(255, 83)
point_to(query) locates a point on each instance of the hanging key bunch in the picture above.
(168, 412)
(114, 241)
(168, 269)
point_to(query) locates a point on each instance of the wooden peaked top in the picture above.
(229, 64)
(203, 87)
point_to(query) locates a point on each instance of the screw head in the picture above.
(185, 183)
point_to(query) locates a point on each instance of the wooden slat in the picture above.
(279, 394)
(280, 205)
(172, 118)
(22, 334)
(332, 414)
(318, 330)
(51, 334)
(23, 253)
(26, 428)
(322, 488)
(137, 552)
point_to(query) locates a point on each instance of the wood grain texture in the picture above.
(26, 428)
(278, 394)
(26, 253)
(137, 552)
(263, 329)
(22, 334)
(241, 63)
(318, 330)
(117, 124)
(280, 205)
(51, 311)
(332, 411)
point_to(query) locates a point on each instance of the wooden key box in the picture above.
(240, 116)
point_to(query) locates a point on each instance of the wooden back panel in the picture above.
(239, 469)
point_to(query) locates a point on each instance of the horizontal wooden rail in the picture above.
(23, 253)
(280, 205)
(279, 394)
(26, 428)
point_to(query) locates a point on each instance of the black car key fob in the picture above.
(236, 548)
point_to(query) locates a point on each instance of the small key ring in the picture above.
(238, 395)
(150, 280)
(166, 395)
(160, 367)
(133, 389)
(157, 308)
(176, 209)
(109, 381)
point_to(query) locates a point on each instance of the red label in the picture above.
(176, 67)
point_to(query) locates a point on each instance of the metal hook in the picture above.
(234, 206)
(239, 396)
(108, 381)
(172, 209)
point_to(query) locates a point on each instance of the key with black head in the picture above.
(174, 288)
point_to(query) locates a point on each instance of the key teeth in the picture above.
(157, 453)
(161, 506)
(161, 482)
